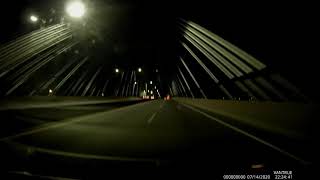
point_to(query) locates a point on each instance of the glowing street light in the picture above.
(34, 18)
(117, 70)
(135, 82)
(150, 82)
(75, 9)
(50, 92)
(139, 69)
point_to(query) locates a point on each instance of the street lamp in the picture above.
(117, 70)
(135, 82)
(150, 82)
(50, 92)
(34, 18)
(139, 69)
(75, 9)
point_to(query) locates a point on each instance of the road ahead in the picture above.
(164, 135)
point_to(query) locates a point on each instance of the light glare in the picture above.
(76, 9)
(34, 18)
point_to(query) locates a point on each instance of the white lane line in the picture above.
(65, 122)
(161, 105)
(155, 113)
(152, 117)
(249, 135)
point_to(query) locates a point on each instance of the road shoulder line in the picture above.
(282, 151)
(66, 122)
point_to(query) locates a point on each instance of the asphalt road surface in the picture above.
(145, 138)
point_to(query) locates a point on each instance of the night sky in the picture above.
(278, 34)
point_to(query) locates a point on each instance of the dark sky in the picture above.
(279, 34)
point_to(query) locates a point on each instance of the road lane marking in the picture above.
(152, 117)
(161, 105)
(65, 122)
(302, 161)
(155, 113)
